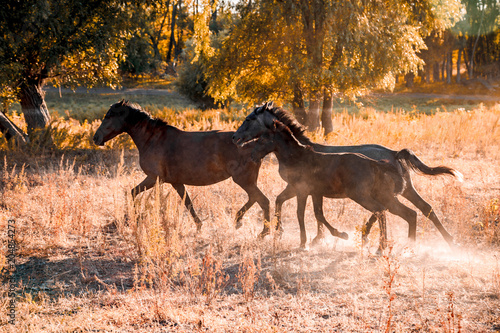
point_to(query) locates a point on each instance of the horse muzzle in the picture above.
(98, 139)
(238, 141)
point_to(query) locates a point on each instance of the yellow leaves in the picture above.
(201, 36)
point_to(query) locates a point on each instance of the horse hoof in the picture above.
(238, 225)
(198, 227)
(454, 246)
(317, 241)
(344, 235)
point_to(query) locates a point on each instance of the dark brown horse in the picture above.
(372, 184)
(183, 158)
(263, 117)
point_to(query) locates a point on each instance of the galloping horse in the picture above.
(183, 158)
(372, 184)
(262, 119)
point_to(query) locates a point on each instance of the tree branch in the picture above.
(11, 130)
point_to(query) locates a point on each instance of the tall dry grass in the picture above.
(91, 259)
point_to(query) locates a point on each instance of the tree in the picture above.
(69, 42)
(314, 48)
(209, 21)
(480, 32)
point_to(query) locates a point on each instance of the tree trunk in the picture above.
(449, 67)
(298, 107)
(313, 114)
(156, 49)
(410, 80)
(178, 44)
(11, 130)
(172, 44)
(443, 69)
(466, 62)
(33, 106)
(326, 114)
(458, 64)
(427, 73)
(435, 72)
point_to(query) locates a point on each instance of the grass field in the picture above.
(83, 267)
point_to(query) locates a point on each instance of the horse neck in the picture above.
(288, 150)
(141, 134)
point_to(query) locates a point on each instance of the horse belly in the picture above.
(334, 189)
(333, 184)
(197, 169)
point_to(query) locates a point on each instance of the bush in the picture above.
(192, 81)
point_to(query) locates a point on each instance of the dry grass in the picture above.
(88, 260)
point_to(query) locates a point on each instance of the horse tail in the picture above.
(409, 159)
(395, 172)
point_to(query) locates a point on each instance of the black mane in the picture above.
(138, 115)
(293, 125)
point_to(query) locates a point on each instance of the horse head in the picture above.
(113, 124)
(255, 124)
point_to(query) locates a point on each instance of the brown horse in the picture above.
(183, 158)
(263, 117)
(372, 184)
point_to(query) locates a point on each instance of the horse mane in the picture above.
(139, 114)
(285, 129)
(287, 119)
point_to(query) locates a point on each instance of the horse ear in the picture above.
(269, 105)
(260, 109)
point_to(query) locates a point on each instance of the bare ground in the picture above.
(82, 271)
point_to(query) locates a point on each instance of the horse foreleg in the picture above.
(181, 190)
(301, 209)
(320, 217)
(286, 194)
(146, 184)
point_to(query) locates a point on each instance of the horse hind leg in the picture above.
(245, 175)
(367, 228)
(382, 221)
(378, 213)
(412, 195)
(255, 195)
(181, 190)
(409, 215)
(242, 211)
